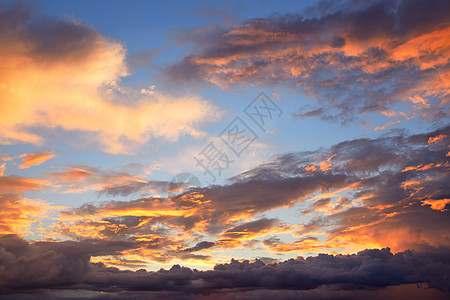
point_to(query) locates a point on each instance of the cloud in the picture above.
(437, 204)
(251, 229)
(35, 159)
(16, 184)
(308, 244)
(351, 58)
(400, 199)
(218, 212)
(388, 191)
(5, 157)
(321, 204)
(434, 139)
(199, 246)
(114, 182)
(212, 210)
(59, 74)
(146, 219)
(18, 214)
(245, 198)
(28, 267)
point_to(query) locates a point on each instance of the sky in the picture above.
(224, 149)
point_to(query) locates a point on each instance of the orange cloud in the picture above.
(35, 159)
(431, 49)
(18, 214)
(308, 244)
(437, 204)
(4, 157)
(434, 139)
(311, 168)
(68, 77)
(122, 262)
(78, 179)
(384, 233)
(421, 167)
(16, 184)
(326, 165)
(151, 207)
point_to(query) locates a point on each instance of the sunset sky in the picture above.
(225, 149)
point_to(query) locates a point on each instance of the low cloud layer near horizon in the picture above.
(41, 267)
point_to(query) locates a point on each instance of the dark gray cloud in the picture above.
(251, 227)
(48, 40)
(45, 266)
(199, 246)
(254, 195)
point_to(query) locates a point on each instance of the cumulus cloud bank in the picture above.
(62, 74)
(41, 266)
